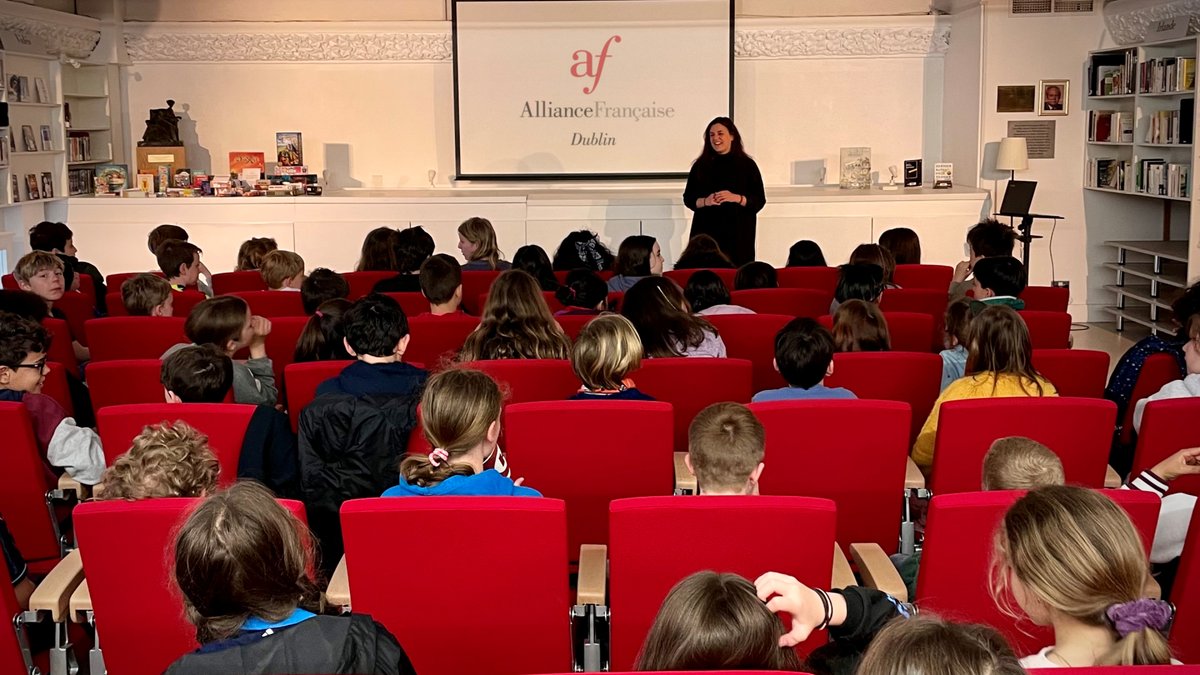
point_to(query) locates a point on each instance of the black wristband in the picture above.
(828, 605)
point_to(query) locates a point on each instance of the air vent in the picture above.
(1027, 7)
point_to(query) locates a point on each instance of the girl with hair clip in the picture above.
(378, 251)
(477, 242)
(702, 252)
(516, 324)
(639, 257)
(582, 249)
(242, 563)
(323, 338)
(903, 244)
(657, 309)
(606, 352)
(1071, 559)
(460, 415)
(707, 295)
(999, 365)
(533, 259)
(583, 293)
(859, 326)
(712, 621)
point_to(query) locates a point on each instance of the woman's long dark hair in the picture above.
(322, 337)
(633, 257)
(735, 147)
(582, 249)
(533, 259)
(657, 308)
(705, 289)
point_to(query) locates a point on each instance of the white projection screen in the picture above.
(588, 88)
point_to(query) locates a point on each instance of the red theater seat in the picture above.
(572, 324)
(921, 301)
(691, 385)
(302, 382)
(681, 276)
(122, 382)
(24, 484)
(790, 301)
(752, 337)
(475, 286)
(527, 380)
(1186, 596)
(1046, 298)
(55, 386)
(134, 337)
(225, 283)
(1168, 426)
(1156, 372)
(271, 304)
(1073, 372)
(114, 281)
(361, 283)
(1048, 330)
(281, 345)
(224, 424)
(932, 277)
(819, 278)
(78, 308)
(438, 339)
(915, 379)
(909, 331)
(413, 304)
(61, 350)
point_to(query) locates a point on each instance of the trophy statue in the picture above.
(160, 147)
(162, 129)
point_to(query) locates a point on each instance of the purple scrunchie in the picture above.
(1130, 617)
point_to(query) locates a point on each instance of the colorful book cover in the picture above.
(183, 178)
(240, 161)
(145, 182)
(289, 148)
(116, 176)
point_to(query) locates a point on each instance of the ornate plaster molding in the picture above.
(1129, 20)
(69, 41)
(842, 41)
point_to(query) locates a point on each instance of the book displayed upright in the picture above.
(289, 148)
(240, 161)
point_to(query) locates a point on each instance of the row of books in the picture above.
(79, 181)
(1157, 177)
(1167, 74)
(79, 146)
(1110, 126)
(1112, 74)
(1108, 173)
(1172, 126)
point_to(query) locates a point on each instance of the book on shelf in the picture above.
(1167, 74)
(1108, 173)
(79, 146)
(1110, 126)
(79, 181)
(1171, 126)
(1158, 177)
(1111, 74)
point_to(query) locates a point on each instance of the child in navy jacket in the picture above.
(606, 352)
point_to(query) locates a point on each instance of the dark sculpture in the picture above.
(162, 129)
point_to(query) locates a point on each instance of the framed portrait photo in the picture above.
(1053, 97)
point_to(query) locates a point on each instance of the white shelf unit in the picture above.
(89, 133)
(43, 119)
(1145, 225)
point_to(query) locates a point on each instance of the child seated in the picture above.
(954, 356)
(161, 234)
(413, 247)
(58, 239)
(927, 645)
(460, 413)
(998, 281)
(806, 253)
(441, 283)
(726, 444)
(1019, 463)
(323, 284)
(516, 324)
(322, 338)
(1187, 387)
(376, 334)
(707, 295)
(64, 445)
(903, 244)
(583, 293)
(606, 352)
(984, 240)
(165, 460)
(859, 326)
(755, 274)
(197, 374)
(148, 295)
(861, 281)
(282, 271)
(180, 264)
(804, 357)
(244, 566)
(251, 252)
(665, 322)
(226, 323)
(477, 242)
(41, 273)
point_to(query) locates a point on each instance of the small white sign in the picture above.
(1169, 29)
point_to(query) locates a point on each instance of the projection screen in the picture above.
(588, 88)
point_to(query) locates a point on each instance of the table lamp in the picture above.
(1013, 156)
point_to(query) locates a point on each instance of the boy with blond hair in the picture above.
(1019, 463)
(282, 270)
(147, 295)
(165, 460)
(41, 273)
(726, 444)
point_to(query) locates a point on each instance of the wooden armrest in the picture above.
(81, 603)
(684, 480)
(843, 576)
(913, 478)
(1112, 479)
(53, 595)
(68, 484)
(878, 571)
(338, 592)
(593, 575)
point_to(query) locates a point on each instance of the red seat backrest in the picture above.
(128, 550)
(438, 338)
(681, 276)
(915, 379)
(909, 331)
(552, 301)
(527, 380)
(752, 336)
(55, 386)
(413, 304)
(790, 301)
(1046, 298)
(9, 283)
(1186, 596)
(561, 275)
(1124, 670)
(475, 286)
(1168, 426)
(655, 542)
(361, 283)
(87, 286)
(626, 447)
(181, 306)
(122, 382)
(804, 463)
(11, 658)
(932, 277)
(114, 281)
(78, 308)
(691, 385)
(1073, 372)
(134, 337)
(302, 382)
(281, 345)
(572, 324)
(1078, 430)
(819, 278)
(23, 486)
(273, 304)
(224, 424)
(60, 350)
(225, 283)
(1157, 370)
(1048, 330)
(922, 301)
(518, 624)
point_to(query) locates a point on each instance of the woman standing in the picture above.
(725, 190)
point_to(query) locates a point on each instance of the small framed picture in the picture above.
(1053, 97)
(16, 191)
(31, 186)
(43, 93)
(28, 139)
(47, 185)
(24, 92)
(47, 143)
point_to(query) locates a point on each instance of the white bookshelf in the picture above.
(89, 134)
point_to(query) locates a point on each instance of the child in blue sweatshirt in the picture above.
(460, 413)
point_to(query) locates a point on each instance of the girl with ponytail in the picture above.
(1071, 559)
(460, 414)
(323, 338)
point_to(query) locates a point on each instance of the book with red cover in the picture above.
(238, 161)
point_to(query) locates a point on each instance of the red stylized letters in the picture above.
(587, 64)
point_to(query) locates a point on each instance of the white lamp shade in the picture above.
(1013, 155)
